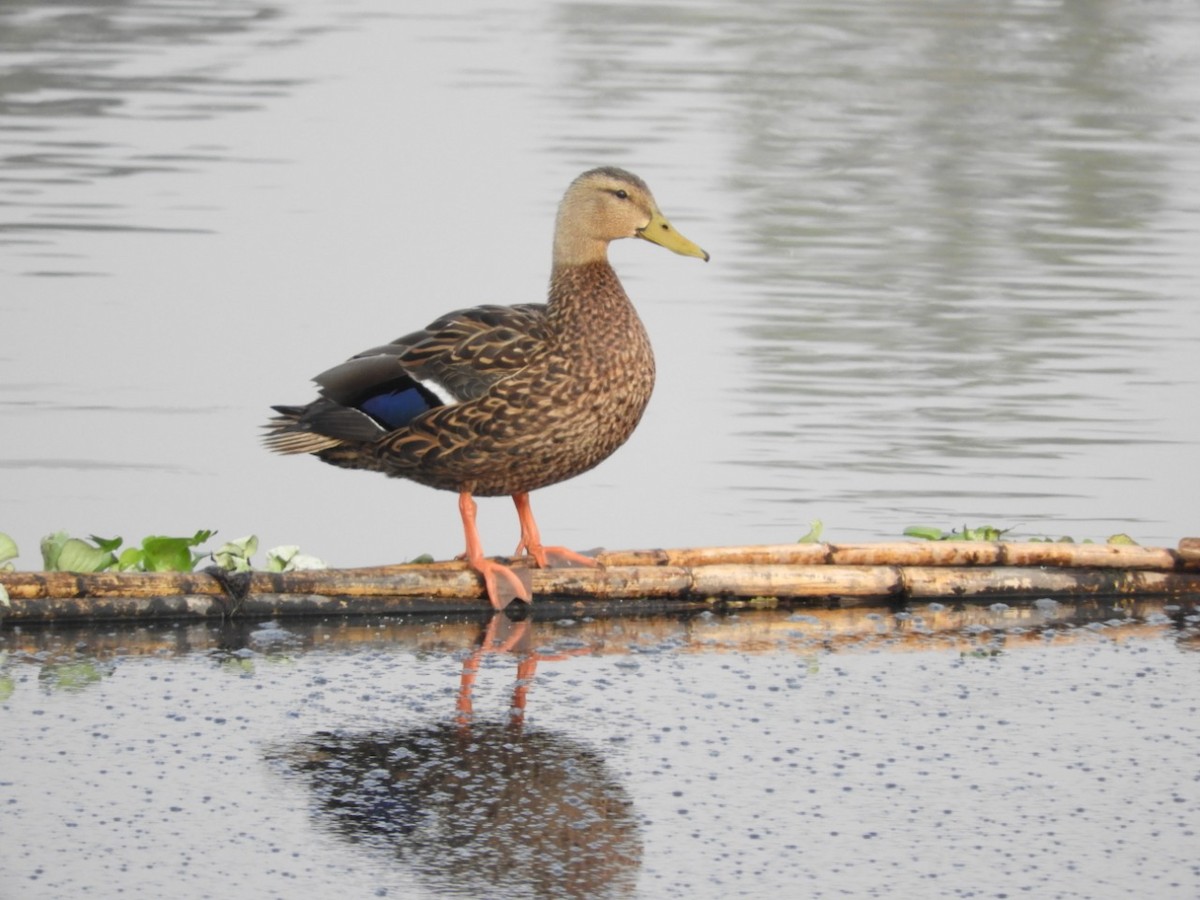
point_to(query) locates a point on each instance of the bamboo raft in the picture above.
(821, 575)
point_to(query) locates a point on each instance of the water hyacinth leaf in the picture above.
(279, 557)
(77, 555)
(109, 545)
(814, 532)
(1122, 539)
(979, 533)
(51, 547)
(234, 556)
(8, 550)
(306, 561)
(924, 532)
(982, 533)
(130, 558)
(288, 558)
(166, 554)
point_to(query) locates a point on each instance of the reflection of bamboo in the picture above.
(843, 573)
(920, 627)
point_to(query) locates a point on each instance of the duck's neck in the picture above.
(572, 248)
(587, 293)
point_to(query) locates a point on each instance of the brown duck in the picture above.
(504, 399)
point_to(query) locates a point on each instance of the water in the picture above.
(1045, 751)
(954, 281)
(953, 276)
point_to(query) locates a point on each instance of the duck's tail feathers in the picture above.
(286, 434)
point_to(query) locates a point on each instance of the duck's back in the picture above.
(564, 390)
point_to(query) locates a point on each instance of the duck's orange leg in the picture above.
(502, 583)
(531, 541)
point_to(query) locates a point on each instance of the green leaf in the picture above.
(925, 532)
(978, 533)
(77, 555)
(8, 549)
(51, 548)
(288, 558)
(814, 533)
(109, 545)
(1122, 539)
(279, 558)
(234, 556)
(983, 533)
(4, 601)
(166, 554)
(130, 558)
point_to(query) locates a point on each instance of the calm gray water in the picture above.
(954, 275)
(954, 280)
(1043, 752)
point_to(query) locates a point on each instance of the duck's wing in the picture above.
(453, 360)
(457, 358)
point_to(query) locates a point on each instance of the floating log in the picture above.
(830, 574)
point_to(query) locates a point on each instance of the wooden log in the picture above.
(437, 581)
(797, 581)
(763, 555)
(805, 572)
(1027, 582)
(925, 553)
(922, 553)
(1116, 556)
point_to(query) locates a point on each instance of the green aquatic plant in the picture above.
(63, 553)
(814, 533)
(1121, 539)
(992, 533)
(236, 556)
(978, 533)
(165, 554)
(8, 552)
(288, 558)
(157, 553)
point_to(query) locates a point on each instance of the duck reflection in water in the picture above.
(482, 806)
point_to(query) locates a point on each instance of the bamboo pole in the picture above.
(831, 573)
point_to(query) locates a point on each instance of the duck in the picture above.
(493, 400)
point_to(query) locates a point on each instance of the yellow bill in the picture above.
(659, 231)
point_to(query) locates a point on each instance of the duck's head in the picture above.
(603, 205)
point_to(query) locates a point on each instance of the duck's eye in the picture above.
(621, 194)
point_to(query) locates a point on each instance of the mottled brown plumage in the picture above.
(504, 399)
